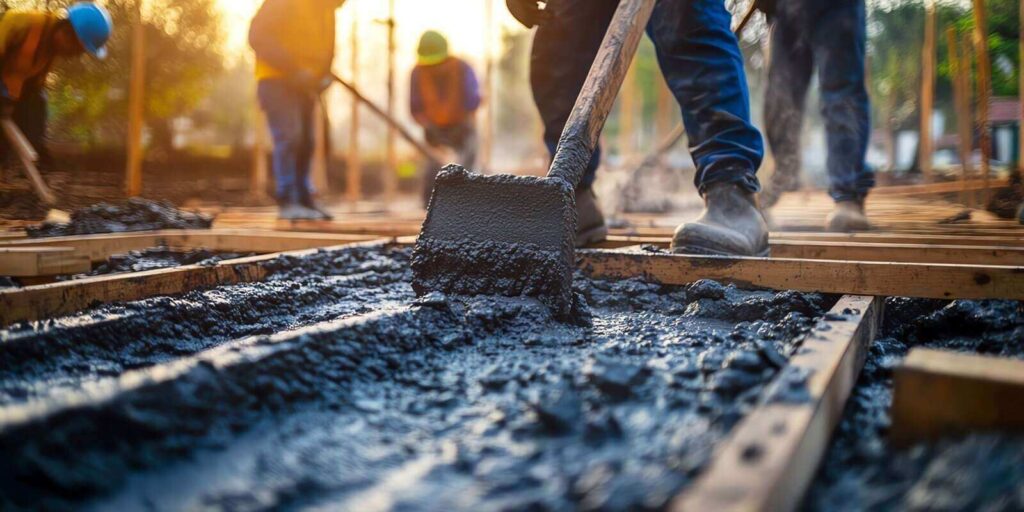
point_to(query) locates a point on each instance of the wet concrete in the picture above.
(135, 214)
(980, 472)
(156, 258)
(429, 403)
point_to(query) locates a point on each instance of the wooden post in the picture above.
(258, 177)
(487, 134)
(391, 172)
(959, 67)
(137, 90)
(984, 84)
(354, 171)
(627, 112)
(925, 145)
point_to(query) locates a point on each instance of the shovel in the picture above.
(514, 235)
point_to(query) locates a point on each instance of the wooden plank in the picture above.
(863, 251)
(770, 459)
(48, 300)
(41, 261)
(927, 280)
(945, 187)
(938, 393)
(905, 238)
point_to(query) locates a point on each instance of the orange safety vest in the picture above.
(441, 87)
(31, 59)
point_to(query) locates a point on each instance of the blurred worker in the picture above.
(701, 61)
(444, 96)
(829, 36)
(30, 42)
(294, 45)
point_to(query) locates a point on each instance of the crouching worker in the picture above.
(294, 45)
(30, 42)
(444, 95)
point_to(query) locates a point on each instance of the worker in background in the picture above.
(829, 36)
(30, 42)
(294, 45)
(444, 95)
(701, 61)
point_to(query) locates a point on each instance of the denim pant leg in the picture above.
(701, 61)
(789, 75)
(289, 114)
(563, 51)
(839, 46)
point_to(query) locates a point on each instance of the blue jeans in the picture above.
(829, 35)
(700, 59)
(290, 116)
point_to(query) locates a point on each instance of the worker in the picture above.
(701, 61)
(294, 45)
(30, 42)
(444, 95)
(829, 36)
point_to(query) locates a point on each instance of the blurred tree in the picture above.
(184, 45)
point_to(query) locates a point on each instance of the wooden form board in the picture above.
(926, 280)
(41, 261)
(48, 300)
(939, 393)
(865, 251)
(770, 458)
(100, 247)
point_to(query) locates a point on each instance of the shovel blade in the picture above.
(498, 235)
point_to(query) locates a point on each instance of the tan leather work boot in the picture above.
(848, 216)
(590, 226)
(731, 225)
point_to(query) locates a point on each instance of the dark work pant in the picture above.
(700, 59)
(290, 116)
(828, 35)
(30, 114)
(461, 138)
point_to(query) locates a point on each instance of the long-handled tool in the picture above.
(514, 235)
(28, 156)
(425, 150)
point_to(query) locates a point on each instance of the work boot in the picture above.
(590, 226)
(847, 216)
(731, 225)
(320, 210)
(295, 211)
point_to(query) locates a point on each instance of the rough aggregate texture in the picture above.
(979, 472)
(155, 258)
(135, 214)
(397, 402)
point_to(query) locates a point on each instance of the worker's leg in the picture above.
(701, 60)
(839, 46)
(563, 51)
(466, 143)
(306, 147)
(284, 108)
(30, 114)
(789, 73)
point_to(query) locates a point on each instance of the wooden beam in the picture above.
(41, 261)
(984, 81)
(49, 300)
(770, 459)
(136, 105)
(926, 280)
(945, 187)
(938, 393)
(908, 238)
(905, 253)
(926, 148)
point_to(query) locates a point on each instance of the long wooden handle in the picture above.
(28, 156)
(579, 137)
(421, 147)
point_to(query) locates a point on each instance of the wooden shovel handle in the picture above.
(28, 156)
(579, 137)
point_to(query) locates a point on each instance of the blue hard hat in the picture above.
(92, 25)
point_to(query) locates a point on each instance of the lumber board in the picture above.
(1007, 240)
(925, 280)
(946, 187)
(100, 247)
(770, 458)
(938, 393)
(863, 251)
(48, 300)
(41, 261)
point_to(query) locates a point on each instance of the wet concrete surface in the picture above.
(155, 258)
(135, 214)
(389, 401)
(979, 472)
